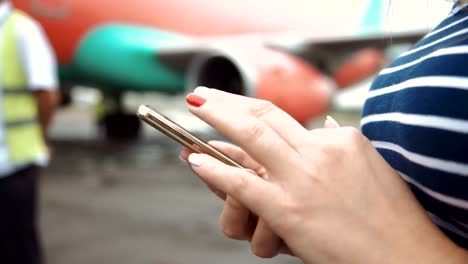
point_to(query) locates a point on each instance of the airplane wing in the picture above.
(291, 75)
(329, 53)
(326, 53)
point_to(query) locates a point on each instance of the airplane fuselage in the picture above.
(67, 21)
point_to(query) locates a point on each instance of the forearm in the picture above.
(404, 233)
(456, 256)
(427, 248)
(408, 235)
(47, 102)
(447, 254)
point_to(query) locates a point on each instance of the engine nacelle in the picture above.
(289, 82)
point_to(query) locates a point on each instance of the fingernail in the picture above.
(195, 160)
(333, 121)
(195, 100)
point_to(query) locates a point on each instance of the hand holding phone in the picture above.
(180, 135)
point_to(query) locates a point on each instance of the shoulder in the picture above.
(22, 18)
(36, 53)
(26, 25)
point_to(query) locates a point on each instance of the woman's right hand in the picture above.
(329, 194)
(238, 222)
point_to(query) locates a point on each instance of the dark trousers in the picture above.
(19, 239)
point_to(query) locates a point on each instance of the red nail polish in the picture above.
(195, 100)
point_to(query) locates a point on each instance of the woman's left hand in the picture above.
(329, 195)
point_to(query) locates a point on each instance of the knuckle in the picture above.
(239, 155)
(295, 212)
(291, 207)
(354, 136)
(234, 205)
(242, 158)
(241, 184)
(256, 130)
(262, 108)
(333, 153)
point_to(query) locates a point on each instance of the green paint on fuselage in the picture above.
(122, 58)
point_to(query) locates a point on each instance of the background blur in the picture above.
(136, 202)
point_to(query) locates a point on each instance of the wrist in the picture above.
(425, 243)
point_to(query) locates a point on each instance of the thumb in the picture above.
(330, 122)
(243, 185)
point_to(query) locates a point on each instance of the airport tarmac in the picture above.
(132, 203)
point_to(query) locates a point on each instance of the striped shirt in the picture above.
(416, 115)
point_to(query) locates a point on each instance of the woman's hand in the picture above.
(329, 195)
(236, 220)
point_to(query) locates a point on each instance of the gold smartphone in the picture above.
(180, 135)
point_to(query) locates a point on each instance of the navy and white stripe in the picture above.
(416, 115)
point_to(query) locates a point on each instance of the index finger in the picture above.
(278, 120)
(232, 116)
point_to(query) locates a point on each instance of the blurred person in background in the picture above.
(28, 99)
(394, 192)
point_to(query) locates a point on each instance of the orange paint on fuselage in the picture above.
(66, 21)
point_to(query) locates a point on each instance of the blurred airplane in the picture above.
(293, 53)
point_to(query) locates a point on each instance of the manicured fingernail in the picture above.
(195, 100)
(333, 121)
(195, 160)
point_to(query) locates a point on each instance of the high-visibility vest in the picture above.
(23, 135)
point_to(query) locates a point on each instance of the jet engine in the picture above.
(289, 82)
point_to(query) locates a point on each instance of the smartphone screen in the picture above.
(181, 135)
